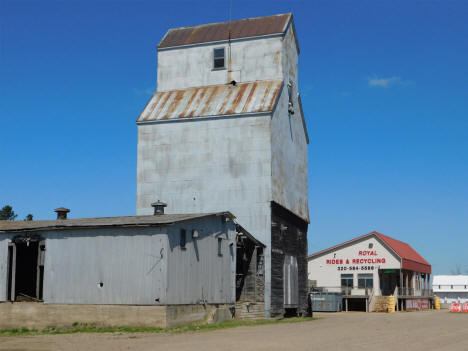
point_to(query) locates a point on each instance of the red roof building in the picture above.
(370, 265)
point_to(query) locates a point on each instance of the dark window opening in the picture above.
(183, 238)
(218, 58)
(365, 281)
(347, 280)
(220, 246)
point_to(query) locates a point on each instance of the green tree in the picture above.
(7, 213)
(29, 217)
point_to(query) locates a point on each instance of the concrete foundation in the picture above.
(39, 315)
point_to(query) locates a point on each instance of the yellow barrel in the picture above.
(391, 304)
(437, 303)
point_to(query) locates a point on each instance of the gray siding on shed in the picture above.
(198, 272)
(131, 264)
(4, 240)
(137, 265)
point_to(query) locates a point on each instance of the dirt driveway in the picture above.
(431, 330)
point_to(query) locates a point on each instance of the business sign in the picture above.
(455, 307)
(417, 304)
(365, 260)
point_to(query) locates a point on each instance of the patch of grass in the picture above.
(236, 323)
(93, 328)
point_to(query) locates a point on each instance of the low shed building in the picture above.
(369, 267)
(451, 288)
(161, 260)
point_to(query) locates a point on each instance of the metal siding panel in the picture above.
(4, 267)
(251, 60)
(126, 261)
(289, 160)
(198, 273)
(291, 287)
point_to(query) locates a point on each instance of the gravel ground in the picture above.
(429, 330)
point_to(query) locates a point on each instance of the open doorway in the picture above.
(26, 269)
(389, 280)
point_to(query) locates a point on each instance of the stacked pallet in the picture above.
(380, 304)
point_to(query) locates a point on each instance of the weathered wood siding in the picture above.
(288, 237)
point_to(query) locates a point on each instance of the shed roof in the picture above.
(450, 280)
(125, 221)
(212, 32)
(216, 100)
(410, 258)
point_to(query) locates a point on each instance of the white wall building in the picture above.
(451, 288)
(371, 265)
(225, 130)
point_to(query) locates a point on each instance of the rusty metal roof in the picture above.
(244, 28)
(123, 221)
(14, 227)
(215, 100)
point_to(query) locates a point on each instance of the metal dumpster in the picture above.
(326, 301)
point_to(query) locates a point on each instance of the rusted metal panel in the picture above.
(253, 97)
(244, 28)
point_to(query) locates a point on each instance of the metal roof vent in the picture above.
(61, 212)
(158, 207)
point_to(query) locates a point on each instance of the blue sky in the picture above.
(384, 87)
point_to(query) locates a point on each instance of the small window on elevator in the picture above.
(220, 246)
(183, 239)
(218, 58)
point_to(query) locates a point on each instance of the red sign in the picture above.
(355, 260)
(417, 304)
(455, 307)
(465, 307)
